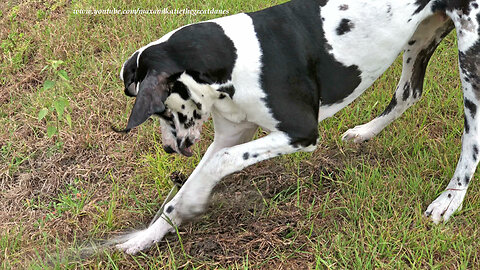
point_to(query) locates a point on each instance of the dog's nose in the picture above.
(168, 149)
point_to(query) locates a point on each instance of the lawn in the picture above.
(66, 180)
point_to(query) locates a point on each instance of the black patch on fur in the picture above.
(229, 90)
(181, 89)
(471, 107)
(201, 49)
(467, 179)
(343, 7)
(467, 125)
(390, 106)
(255, 155)
(222, 96)
(198, 105)
(169, 209)
(449, 195)
(406, 91)
(297, 70)
(408, 60)
(189, 124)
(246, 156)
(345, 26)
(183, 106)
(475, 152)
(450, 5)
(475, 5)
(421, 5)
(411, 42)
(182, 118)
(196, 115)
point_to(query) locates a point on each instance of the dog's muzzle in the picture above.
(183, 147)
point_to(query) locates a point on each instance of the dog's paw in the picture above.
(445, 205)
(358, 134)
(137, 241)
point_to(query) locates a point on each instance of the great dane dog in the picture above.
(284, 69)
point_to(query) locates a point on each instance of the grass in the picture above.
(66, 179)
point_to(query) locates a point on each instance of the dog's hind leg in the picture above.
(409, 90)
(468, 33)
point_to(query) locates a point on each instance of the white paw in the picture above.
(359, 134)
(141, 240)
(137, 242)
(445, 205)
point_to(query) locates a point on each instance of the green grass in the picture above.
(66, 179)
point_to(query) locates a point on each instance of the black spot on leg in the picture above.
(408, 60)
(406, 91)
(169, 209)
(449, 195)
(345, 26)
(475, 5)
(471, 107)
(246, 155)
(411, 42)
(467, 126)
(467, 179)
(475, 152)
(390, 106)
(255, 155)
(183, 106)
(343, 7)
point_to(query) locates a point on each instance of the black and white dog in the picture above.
(285, 69)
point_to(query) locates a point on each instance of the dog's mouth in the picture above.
(179, 145)
(185, 147)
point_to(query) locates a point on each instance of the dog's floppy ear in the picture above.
(150, 100)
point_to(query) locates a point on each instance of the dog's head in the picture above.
(171, 94)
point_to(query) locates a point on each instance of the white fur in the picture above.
(425, 35)
(246, 72)
(356, 48)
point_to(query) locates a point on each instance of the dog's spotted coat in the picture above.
(285, 69)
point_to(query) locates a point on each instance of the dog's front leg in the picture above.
(469, 58)
(227, 134)
(193, 196)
